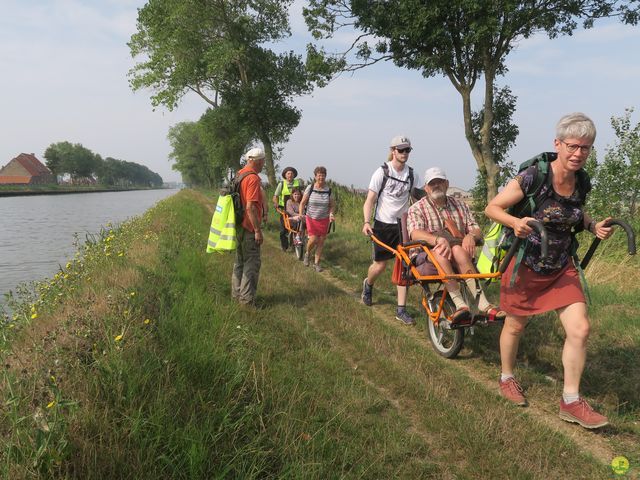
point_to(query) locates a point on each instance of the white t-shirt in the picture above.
(394, 199)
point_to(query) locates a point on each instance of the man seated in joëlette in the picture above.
(448, 225)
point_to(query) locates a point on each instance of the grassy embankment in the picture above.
(134, 364)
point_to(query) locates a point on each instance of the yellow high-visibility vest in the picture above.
(285, 191)
(222, 233)
(487, 261)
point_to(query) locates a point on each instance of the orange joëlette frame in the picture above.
(287, 223)
(402, 253)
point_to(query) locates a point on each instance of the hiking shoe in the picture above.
(306, 260)
(405, 318)
(512, 391)
(581, 412)
(318, 267)
(461, 316)
(367, 293)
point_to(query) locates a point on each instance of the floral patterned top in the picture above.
(559, 215)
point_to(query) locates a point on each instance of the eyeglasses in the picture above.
(404, 150)
(572, 147)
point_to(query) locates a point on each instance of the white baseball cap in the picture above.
(400, 141)
(433, 173)
(255, 153)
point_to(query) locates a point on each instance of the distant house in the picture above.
(26, 169)
(459, 193)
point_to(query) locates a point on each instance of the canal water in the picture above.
(37, 233)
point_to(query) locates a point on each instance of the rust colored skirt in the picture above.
(533, 293)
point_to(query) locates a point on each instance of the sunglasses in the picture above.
(404, 150)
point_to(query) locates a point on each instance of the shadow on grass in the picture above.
(299, 297)
(614, 370)
(610, 370)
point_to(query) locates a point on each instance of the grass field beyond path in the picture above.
(138, 365)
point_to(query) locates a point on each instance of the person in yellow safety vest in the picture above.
(280, 197)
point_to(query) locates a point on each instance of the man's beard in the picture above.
(437, 195)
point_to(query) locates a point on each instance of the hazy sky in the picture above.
(63, 77)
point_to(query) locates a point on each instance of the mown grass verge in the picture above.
(145, 369)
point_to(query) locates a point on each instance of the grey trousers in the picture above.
(246, 269)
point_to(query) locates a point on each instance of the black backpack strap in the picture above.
(385, 177)
(584, 185)
(410, 181)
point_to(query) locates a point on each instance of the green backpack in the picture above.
(499, 238)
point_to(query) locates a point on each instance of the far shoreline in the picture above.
(58, 191)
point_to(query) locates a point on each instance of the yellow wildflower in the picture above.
(133, 294)
(51, 404)
(147, 321)
(117, 338)
(34, 316)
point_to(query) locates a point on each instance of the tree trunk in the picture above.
(268, 154)
(481, 150)
(490, 164)
(465, 93)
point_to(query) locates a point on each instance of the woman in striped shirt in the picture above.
(319, 212)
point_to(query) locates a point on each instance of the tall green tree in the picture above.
(216, 48)
(190, 155)
(463, 40)
(225, 136)
(74, 159)
(616, 189)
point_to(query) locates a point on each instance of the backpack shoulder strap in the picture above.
(385, 177)
(239, 178)
(584, 185)
(530, 202)
(410, 180)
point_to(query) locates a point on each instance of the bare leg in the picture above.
(311, 244)
(319, 246)
(402, 295)
(574, 354)
(375, 270)
(509, 341)
(447, 266)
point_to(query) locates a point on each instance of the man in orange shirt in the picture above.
(246, 269)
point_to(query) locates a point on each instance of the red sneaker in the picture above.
(512, 391)
(581, 412)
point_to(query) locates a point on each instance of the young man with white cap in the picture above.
(448, 225)
(246, 269)
(387, 200)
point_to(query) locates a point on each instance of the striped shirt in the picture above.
(318, 204)
(425, 215)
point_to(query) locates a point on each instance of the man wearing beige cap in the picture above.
(448, 225)
(387, 200)
(246, 269)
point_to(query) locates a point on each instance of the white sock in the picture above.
(506, 376)
(458, 300)
(483, 303)
(570, 397)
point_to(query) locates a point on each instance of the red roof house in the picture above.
(26, 169)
